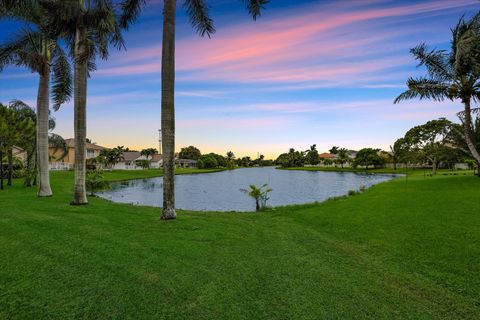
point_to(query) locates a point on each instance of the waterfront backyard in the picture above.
(402, 249)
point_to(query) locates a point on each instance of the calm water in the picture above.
(220, 191)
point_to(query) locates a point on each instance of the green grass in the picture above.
(118, 175)
(399, 250)
(409, 171)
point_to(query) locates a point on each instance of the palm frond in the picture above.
(424, 88)
(255, 7)
(23, 50)
(130, 10)
(62, 78)
(436, 61)
(465, 47)
(58, 143)
(18, 104)
(197, 11)
(29, 11)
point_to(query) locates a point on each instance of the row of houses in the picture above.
(64, 159)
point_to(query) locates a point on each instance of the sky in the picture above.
(306, 72)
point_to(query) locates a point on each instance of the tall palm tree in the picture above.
(40, 52)
(342, 156)
(453, 75)
(197, 10)
(89, 27)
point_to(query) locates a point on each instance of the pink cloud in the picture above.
(325, 45)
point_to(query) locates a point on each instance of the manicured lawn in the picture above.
(413, 171)
(402, 249)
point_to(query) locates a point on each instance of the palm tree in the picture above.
(40, 52)
(453, 75)
(150, 152)
(342, 156)
(197, 10)
(89, 27)
(334, 150)
(259, 194)
(230, 160)
(112, 156)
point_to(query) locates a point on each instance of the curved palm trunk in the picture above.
(44, 189)
(168, 109)
(80, 118)
(467, 127)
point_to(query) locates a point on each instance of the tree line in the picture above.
(214, 160)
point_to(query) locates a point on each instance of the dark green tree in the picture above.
(342, 156)
(312, 156)
(433, 140)
(190, 152)
(207, 161)
(368, 157)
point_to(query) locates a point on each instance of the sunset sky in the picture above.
(306, 72)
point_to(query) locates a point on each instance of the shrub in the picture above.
(95, 181)
(207, 161)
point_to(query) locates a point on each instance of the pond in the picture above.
(220, 191)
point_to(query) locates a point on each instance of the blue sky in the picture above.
(306, 72)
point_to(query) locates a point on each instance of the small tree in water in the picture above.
(259, 194)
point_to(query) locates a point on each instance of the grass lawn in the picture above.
(402, 249)
(410, 171)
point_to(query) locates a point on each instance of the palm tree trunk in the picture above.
(31, 167)
(10, 167)
(80, 118)
(44, 189)
(168, 109)
(467, 127)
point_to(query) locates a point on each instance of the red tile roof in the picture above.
(326, 155)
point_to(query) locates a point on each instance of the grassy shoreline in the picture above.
(409, 171)
(398, 250)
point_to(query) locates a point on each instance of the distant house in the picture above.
(131, 158)
(185, 163)
(156, 161)
(61, 160)
(19, 153)
(326, 155)
(129, 161)
(352, 154)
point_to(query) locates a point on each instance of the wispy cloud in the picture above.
(324, 45)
